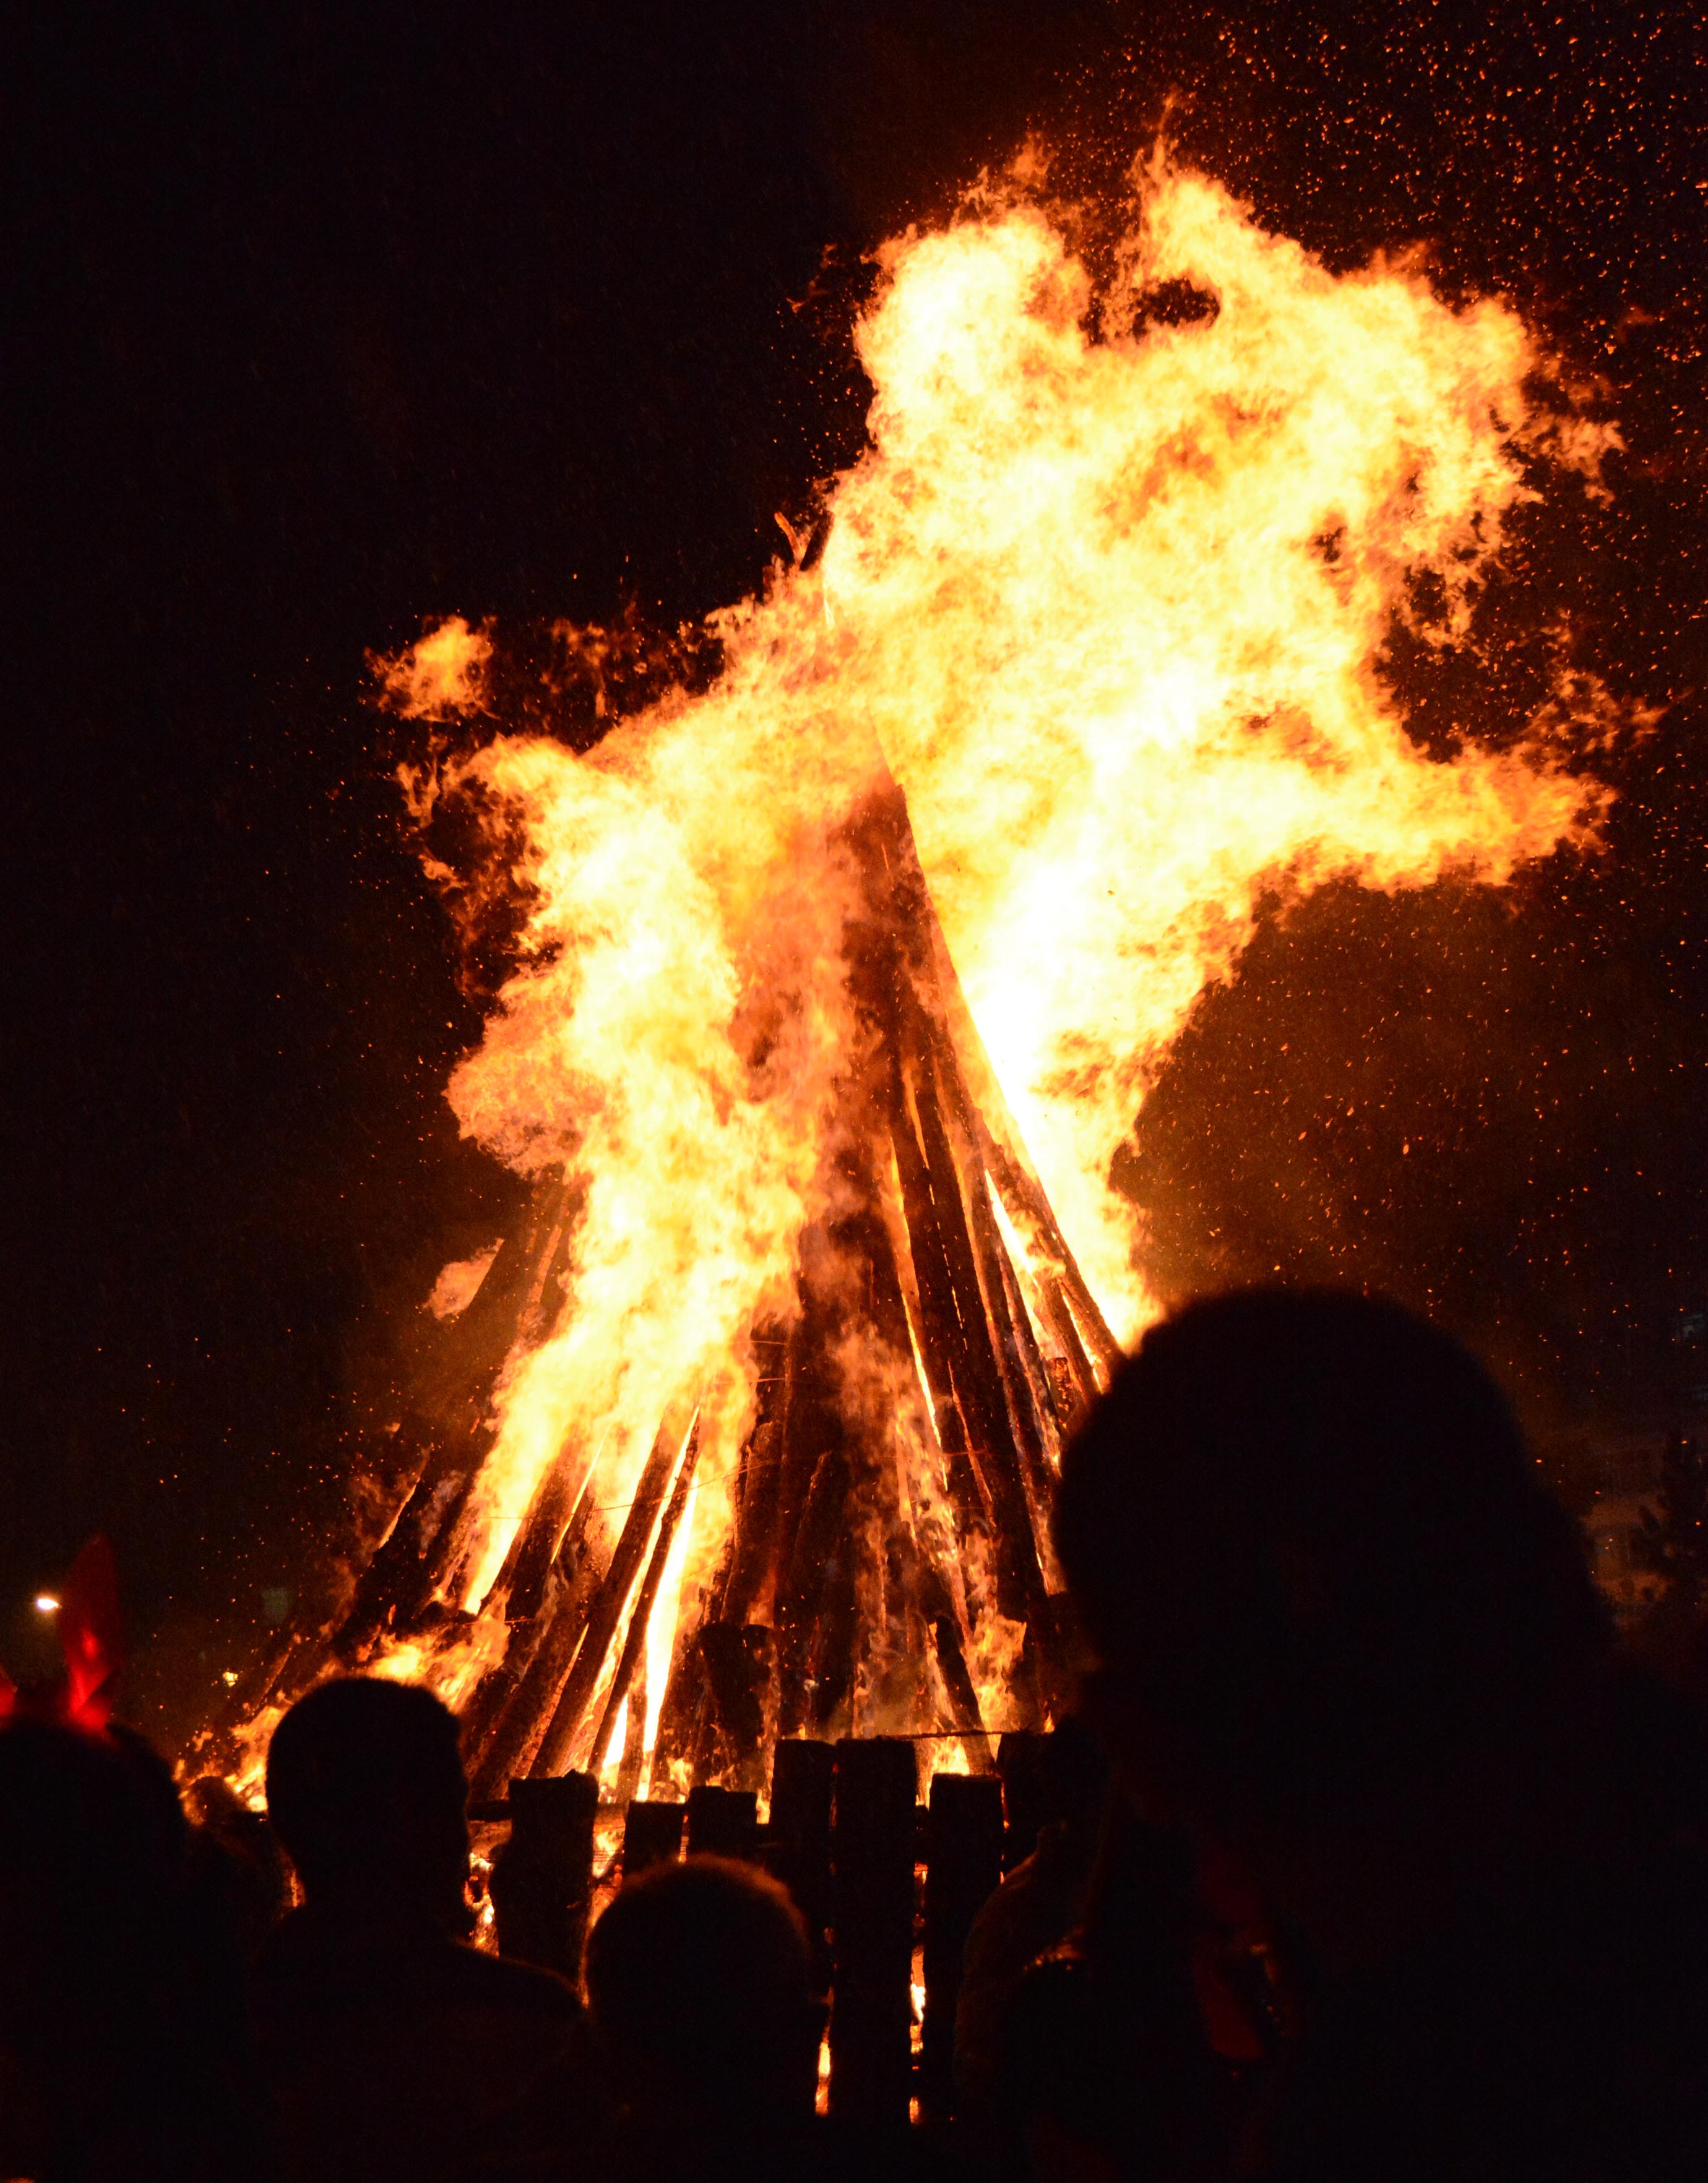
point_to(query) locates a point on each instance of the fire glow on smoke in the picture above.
(1107, 598)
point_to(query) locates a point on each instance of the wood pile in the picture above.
(834, 1609)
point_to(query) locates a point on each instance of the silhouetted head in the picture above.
(1075, 1774)
(699, 1979)
(365, 1789)
(92, 1857)
(111, 2061)
(1311, 1549)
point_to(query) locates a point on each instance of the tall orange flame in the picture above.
(1110, 607)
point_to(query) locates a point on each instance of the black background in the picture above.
(325, 321)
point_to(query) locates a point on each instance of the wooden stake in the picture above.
(872, 1848)
(803, 1787)
(652, 1835)
(543, 1877)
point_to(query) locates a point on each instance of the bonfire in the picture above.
(843, 969)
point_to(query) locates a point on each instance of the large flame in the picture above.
(1107, 598)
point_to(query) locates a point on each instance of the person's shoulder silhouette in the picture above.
(392, 2047)
(123, 2049)
(1349, 1645)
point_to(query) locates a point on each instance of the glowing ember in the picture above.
(1105, 598)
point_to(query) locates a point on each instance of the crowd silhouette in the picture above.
(1369, 1855)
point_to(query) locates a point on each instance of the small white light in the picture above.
(228, 1676)
(46, 1603)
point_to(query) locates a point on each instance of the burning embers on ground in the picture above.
(841, 978)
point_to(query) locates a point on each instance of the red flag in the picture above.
(92, 1635)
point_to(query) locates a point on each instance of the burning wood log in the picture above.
(606, 1611)
(635, 1644)
(760, 1486)
(740, 1669)
(520, 1695)
(522, 1582)
(634, 1756)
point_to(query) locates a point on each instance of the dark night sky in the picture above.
(325, 321)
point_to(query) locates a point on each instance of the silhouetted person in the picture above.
(236, 1858)
(395, 2051)
(123, 2057)
(699, 1979)
(1350, 1646)
(1035, 1907)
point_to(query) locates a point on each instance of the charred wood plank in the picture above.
(634, 1756)
(815, 1570)
(398, 1581)
(1021, 1592)
(680, 1716)
(1024, 1380)
(957, 1682)
(939, 1330)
